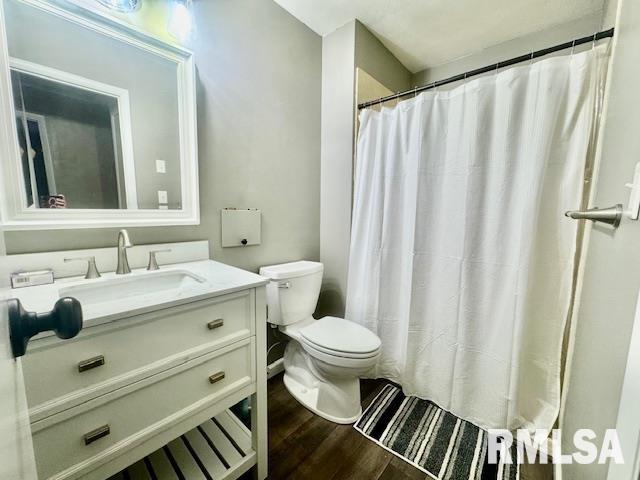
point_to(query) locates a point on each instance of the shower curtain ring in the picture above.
(593, 44)
(573, 46)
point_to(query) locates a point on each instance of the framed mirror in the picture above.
(100, 127)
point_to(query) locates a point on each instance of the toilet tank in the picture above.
(292, 293)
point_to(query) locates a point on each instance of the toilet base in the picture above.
(309, 398)
(332, 393)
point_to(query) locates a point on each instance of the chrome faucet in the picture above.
(123, 243)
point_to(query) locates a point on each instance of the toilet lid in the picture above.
(340, 335)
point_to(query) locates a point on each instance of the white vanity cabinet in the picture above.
(126, 387)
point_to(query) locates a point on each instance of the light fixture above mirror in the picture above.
(180, 22)
(125, 6)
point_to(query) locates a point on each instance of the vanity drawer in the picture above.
(109, 426)
(106, 357)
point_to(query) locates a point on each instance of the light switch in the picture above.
(161, 166)
(162, 196)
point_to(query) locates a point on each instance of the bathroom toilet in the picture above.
(324, 358)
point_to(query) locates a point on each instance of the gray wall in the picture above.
(349, 47)
(610, 12)
(259, 74)
(558, 34)
(82, 157)
(150, 80)
(374, 58)
(338, 59)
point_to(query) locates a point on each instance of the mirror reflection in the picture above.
(71, 153)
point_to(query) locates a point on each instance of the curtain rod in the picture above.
(489, 68)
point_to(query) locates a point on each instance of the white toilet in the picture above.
(324, 358)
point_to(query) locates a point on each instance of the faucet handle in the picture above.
(92, 269)
(153, 263)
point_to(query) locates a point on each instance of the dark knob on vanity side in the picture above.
(65, 320)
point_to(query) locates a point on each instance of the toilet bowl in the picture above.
(324, 358)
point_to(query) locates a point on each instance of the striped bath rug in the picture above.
(433, 440)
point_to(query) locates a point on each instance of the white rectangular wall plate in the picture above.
(162, 196)
(241, 227)
(161, 166)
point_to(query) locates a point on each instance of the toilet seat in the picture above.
(336, 353)
(338, 361)
(338, 337)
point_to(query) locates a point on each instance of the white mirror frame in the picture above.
(13, 212)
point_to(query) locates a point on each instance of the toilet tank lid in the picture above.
(290, 270)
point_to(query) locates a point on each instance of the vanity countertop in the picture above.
(213, 279)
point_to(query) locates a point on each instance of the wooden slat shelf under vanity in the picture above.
(220, 448)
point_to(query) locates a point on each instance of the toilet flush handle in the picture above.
(284, 285)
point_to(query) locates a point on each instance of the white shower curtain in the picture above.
(461, 258)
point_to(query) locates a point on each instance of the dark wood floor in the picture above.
(305, 446)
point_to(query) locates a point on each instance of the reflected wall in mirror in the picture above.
(71, 142)
(104, 118)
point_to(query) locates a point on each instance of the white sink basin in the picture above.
(160, 283)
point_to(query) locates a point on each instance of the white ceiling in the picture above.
(423, 33)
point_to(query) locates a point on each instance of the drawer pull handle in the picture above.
(96, 434)
(90, 363)
(217, 323)
(216, 377)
